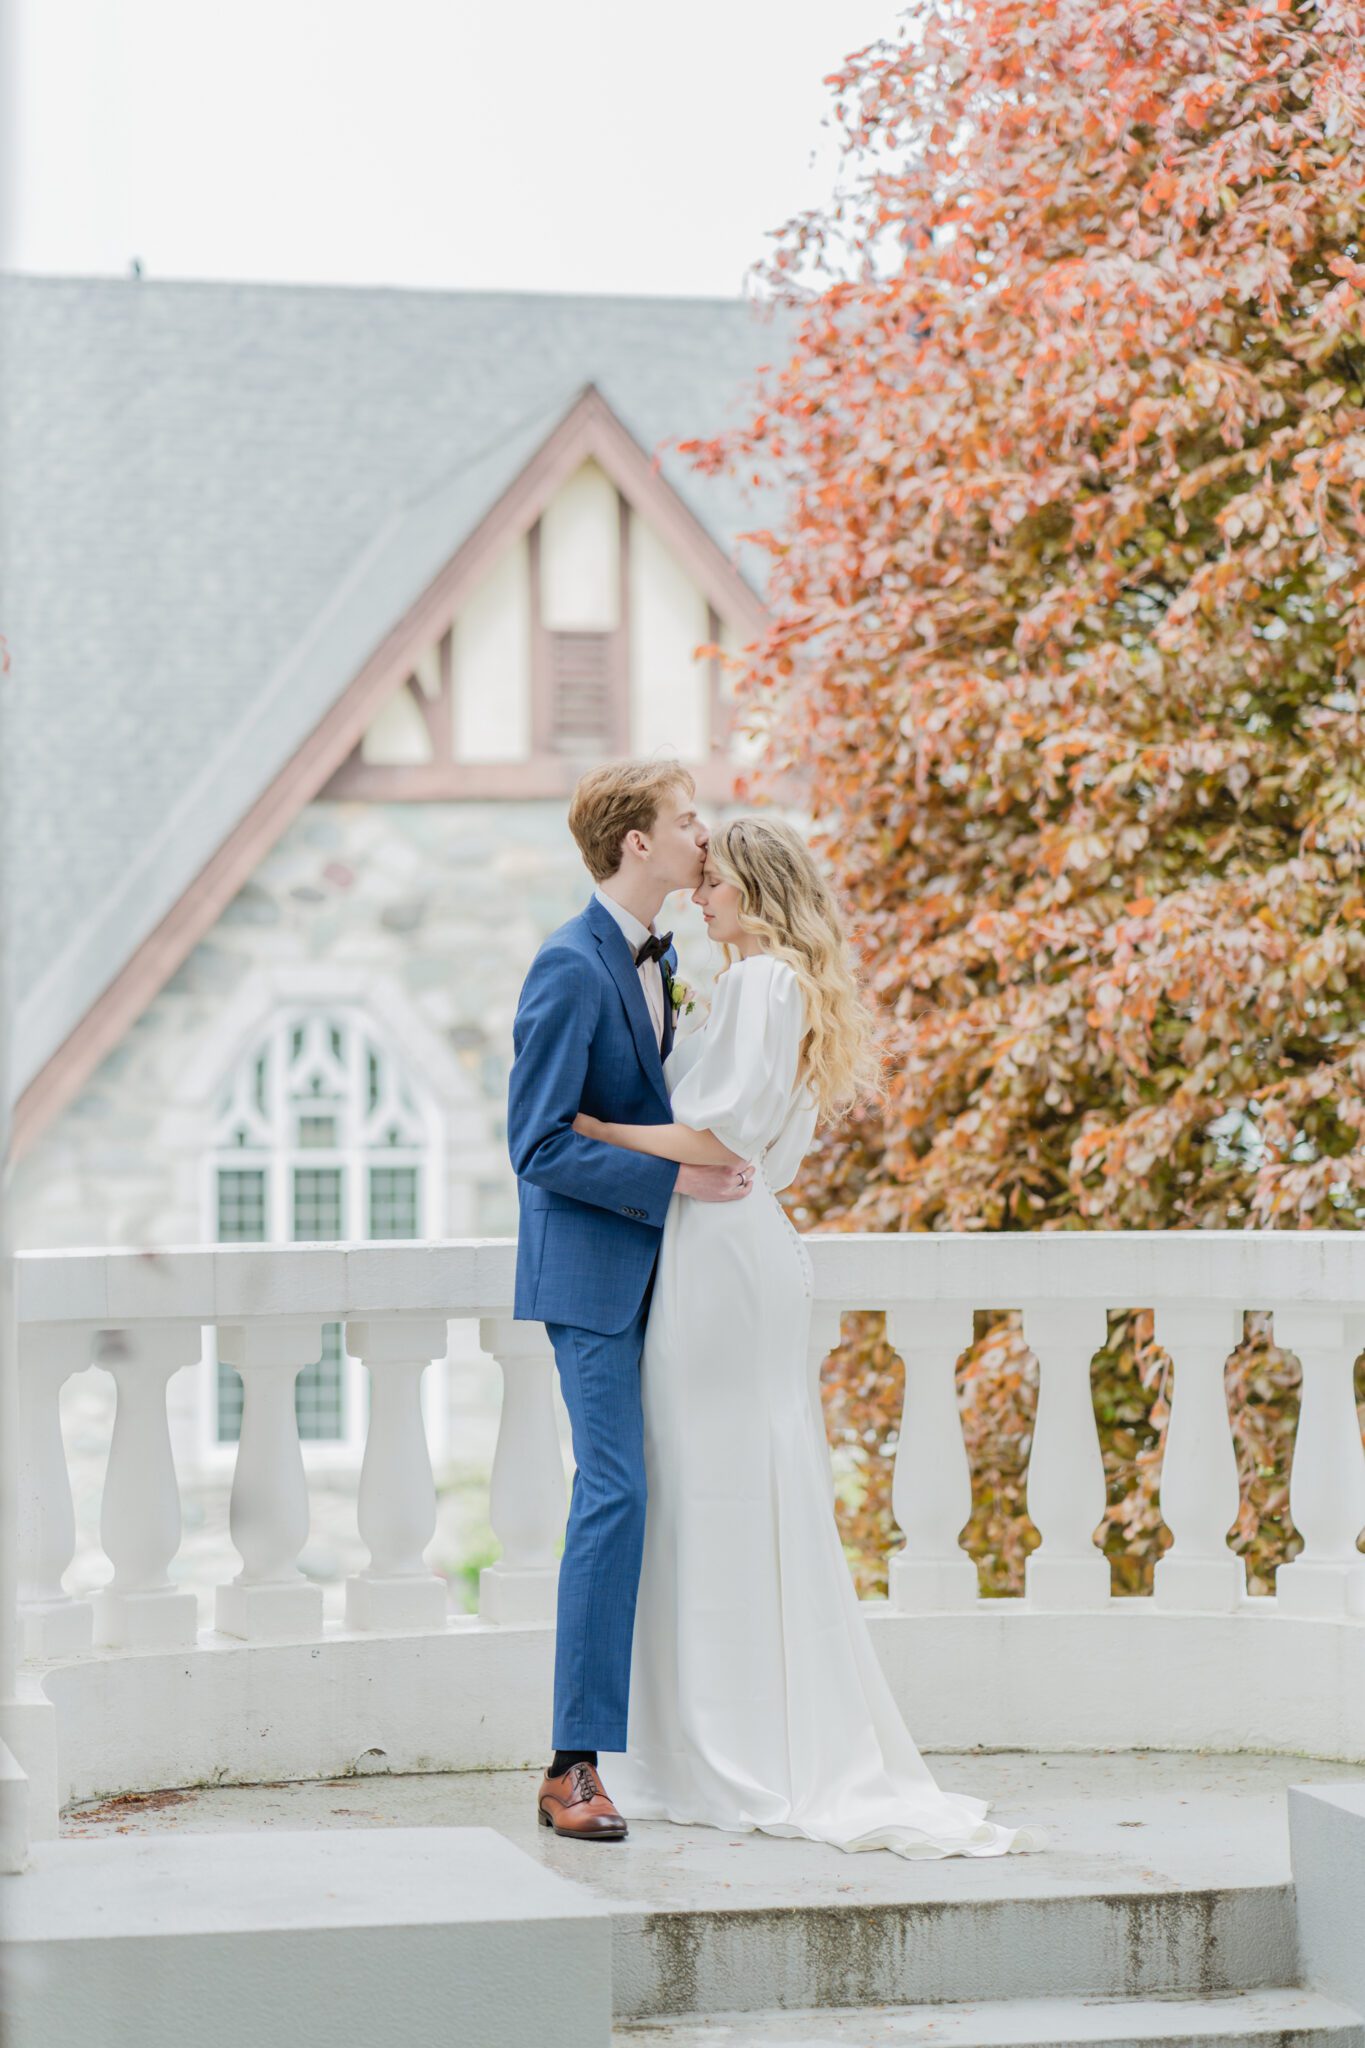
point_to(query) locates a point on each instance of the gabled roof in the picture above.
(220, 499)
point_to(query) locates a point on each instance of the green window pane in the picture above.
(317, 1203)
(318, 1390)
(229, 1403)
(319, 1394)
(241, 1205)
(241, 1220)
(393, 1202)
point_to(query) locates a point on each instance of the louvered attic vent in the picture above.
(580, 675)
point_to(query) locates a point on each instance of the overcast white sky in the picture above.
(557, 145)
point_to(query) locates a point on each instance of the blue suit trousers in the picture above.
(599, 1573)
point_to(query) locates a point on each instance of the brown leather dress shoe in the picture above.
(575, 1803)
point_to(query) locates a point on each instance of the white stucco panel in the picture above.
(492, 665)
(668, 685)
(580, 555)
(397, 736)
(744, 725)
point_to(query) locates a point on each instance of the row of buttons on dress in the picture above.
(803, 1256)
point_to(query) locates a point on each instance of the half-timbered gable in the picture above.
(319, 603)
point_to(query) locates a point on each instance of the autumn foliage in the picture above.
(1068, 643)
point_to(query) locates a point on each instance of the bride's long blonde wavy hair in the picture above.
(785, 903)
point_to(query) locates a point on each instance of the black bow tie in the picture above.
(653, 948)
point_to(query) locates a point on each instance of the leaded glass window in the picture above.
(393, 1202)
(302, 1125)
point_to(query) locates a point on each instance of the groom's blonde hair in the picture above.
(620, 797)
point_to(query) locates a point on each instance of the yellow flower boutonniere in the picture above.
(681, 997)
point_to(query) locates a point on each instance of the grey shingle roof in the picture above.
(217, 498)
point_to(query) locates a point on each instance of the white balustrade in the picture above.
(1199, 1490)
(1327, 1479)
(140, 1516)
(396, 1507)
(268, 1513)
(526, 1491)
(931, 1490)
(1066, 1494)
(143, 1319)
(52, 1622)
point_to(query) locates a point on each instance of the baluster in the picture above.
(1327, 1478)
(138, 1608)
(396, 1511)
(931, 1490)
(1199, 1490)
(270, 1598)
(1065, 1494)
(52, 1622)
(526, 1495)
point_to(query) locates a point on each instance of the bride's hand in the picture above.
(587, 1126)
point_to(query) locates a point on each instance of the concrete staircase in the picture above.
(1164, 1910)
(929, 1953)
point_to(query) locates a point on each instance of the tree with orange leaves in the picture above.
(1069, 625)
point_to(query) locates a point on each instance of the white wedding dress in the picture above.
(756, 1697)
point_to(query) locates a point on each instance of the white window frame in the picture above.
(280, 1156)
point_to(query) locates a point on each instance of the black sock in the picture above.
(564, 1757)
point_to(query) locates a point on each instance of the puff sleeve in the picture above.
(740, 1085)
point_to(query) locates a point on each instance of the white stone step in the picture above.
(693, 1960)
(1284, 2017)
(299, 1939)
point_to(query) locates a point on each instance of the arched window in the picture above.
(319, 1136)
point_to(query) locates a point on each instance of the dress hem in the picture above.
(1019, 1841)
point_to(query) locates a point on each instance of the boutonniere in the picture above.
(681, 997)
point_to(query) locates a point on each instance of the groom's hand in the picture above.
(714, 1183)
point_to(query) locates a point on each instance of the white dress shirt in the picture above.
(649, 971)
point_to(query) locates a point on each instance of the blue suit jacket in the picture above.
(591, 1213)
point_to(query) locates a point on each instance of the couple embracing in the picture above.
(710, 1650)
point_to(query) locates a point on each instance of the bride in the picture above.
(756, 1696)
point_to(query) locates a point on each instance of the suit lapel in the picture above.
(617, 957)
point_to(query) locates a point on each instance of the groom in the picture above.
(593, 1027)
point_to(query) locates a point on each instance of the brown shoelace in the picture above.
(584, 1780)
